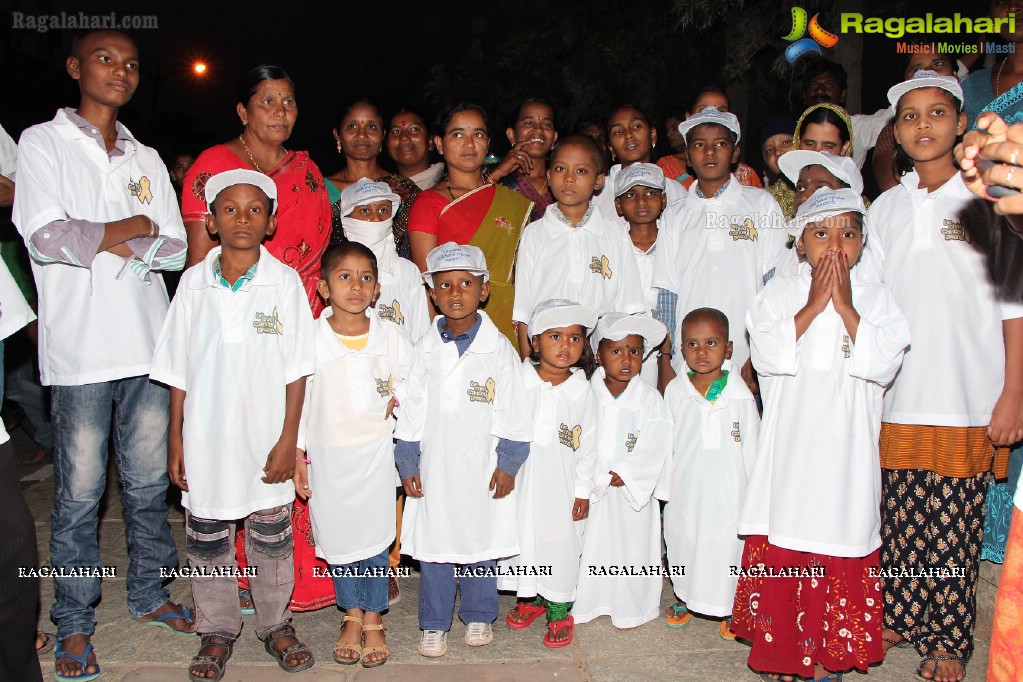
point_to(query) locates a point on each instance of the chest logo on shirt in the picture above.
(745, 231)
(385, 387)
(569, 437)
(736, 433)
(630, 442)
(268, 324)
(846, 350)
(391, 312)
(955, 232)
(482, 393)
(601, 266)
(140, 190)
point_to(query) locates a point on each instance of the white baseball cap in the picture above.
(367, 191)
(711, 115)
(616, 326)
(824, 203)
(452, 256)
(240, 176)
(645, 174)
(842, 167)
(925, 79)
(558, 312)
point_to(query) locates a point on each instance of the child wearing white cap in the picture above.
(236, 349)
(463, 433)
(714, 445)
(574, 252)
(725, 243)
(640, 199)
(620, 571)
(955, 403)
(556, 481)
(826, 344)
(367, 210)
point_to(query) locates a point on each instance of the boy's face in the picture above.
(711, 152)
(560, 347)
(241, 217)
(106, 67)
(840, 233)
(926, 125)
(373, 212)
(811, 179)
(458, 293)
(535, 126)
(351, 285)
(180, 168)
(621, 360)
(774, 147)
(641, 205)
(705, 345)
(574, 175)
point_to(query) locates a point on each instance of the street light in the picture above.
(199, 68)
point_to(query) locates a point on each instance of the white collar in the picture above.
(269, 271)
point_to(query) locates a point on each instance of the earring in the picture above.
(339, 146)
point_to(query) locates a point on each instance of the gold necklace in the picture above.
(246, 148)
(998, 76)
(464, 189)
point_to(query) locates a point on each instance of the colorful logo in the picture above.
(801, 46)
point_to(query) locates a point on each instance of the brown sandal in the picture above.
(282, 631)
(340, 648)
(375, 649)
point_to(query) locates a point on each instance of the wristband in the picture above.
(303, 460)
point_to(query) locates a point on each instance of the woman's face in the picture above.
(361, 132)
(774, 147)
(1000, 10)
(631, 138)
(823, 137)
(407, 141)
(270, 113)
(465, 141)
(930, 61)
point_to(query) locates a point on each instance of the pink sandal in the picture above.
(532, 612)
(552, 630)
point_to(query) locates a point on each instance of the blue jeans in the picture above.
(22, 383)
(437, 587)
(362, 591)
(134, 412)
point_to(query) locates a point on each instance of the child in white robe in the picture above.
(346, 434)
(714, 446)
(557, 478)
(620, 571)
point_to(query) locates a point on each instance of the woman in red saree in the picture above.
(467, 209)
(267, 109)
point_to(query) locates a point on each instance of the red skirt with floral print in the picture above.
(801, 608)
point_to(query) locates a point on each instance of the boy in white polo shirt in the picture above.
(463, 433)
(724, 244)
(235, 350)
(574, 252)
(98, 213)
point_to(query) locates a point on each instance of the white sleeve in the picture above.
(881, 340)
(36, 199)
(586, 456)
(667, 266)
(413, 397)
(774, 253)
(525, 270)
(643, 470)
(298, 329)
(170, 358)
(513, 416)
(419, 317)
(749, 420)
(629, 298)
(303, 422)
(402, 356)
(774, 349)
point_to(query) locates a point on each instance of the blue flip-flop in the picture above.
(247, 596)
(161, 621)
(59, 653)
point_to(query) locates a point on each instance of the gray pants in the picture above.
(269, 548)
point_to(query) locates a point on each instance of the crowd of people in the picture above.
(567, 375)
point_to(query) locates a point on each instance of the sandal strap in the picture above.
(375, 649)
(284, 630)
(218, 661)
(354, 619)
(371, 628)
(60, 653)
(937, 656)
(291, 649)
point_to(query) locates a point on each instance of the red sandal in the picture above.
(532, 611)
(552, 629)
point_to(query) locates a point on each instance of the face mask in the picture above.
(377, 236)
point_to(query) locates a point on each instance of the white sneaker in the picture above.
(433, 643)
(479, 634)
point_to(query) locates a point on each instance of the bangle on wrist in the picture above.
(304, 460)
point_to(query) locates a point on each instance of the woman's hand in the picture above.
(301, 478)
(996, 141)
(515, 160)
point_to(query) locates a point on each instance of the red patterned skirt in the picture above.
(801, 608)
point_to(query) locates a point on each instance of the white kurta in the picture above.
(590, 264)
(234, 353)
(458, 408)
(645, 266)
(349, 441)
(402, 299)
(559, 469)
(822, 418)
(623, 533)
(713, 451)
(718, 255)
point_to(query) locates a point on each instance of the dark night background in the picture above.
(585, 56)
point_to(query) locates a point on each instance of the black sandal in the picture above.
(286, 630)
(937, 657)
(218, 663)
